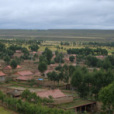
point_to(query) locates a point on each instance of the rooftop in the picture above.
(9, 67)
(25, 73)
(2, 74)
(54, 93)
(24, 78)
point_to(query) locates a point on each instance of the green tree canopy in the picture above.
(34, 47)
(13, 64)
(42, 66)
(71, 58)
(48, 54)
(106, 96)
(7, 59)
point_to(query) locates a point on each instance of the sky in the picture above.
(56, 14)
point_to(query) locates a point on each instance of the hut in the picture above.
(24, 78)
(2, 76)
(25, 73)
(57, 95)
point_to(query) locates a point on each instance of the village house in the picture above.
(2, 76)
(58, 96)
(25, 73)
(0, 66)
(10, 68)
(24, 78)
(18, 53)
(40, 53)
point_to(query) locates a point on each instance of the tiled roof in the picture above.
(25, 73)
(54, 93)
(24, 78)
(18, 66)
(2, 74)
(9, 67)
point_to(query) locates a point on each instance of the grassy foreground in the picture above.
(5, 111)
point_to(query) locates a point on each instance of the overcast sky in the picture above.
(56, 14)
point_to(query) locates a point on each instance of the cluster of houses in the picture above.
(24, 75)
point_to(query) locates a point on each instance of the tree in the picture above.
(106, 96)
(7, 59)
(59, 67)
(101, 79)
(34, 47)
(92, 61)
(59, 58)
(2, 47)
(53, 76)
(42, 66)
(79, 83)
(48, 54)
(71, 58)
(13, 64)
(106, 64)
(42, 58)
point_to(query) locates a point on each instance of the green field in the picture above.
(58, 35)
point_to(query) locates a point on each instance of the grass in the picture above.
(5, 111)
(76, 102)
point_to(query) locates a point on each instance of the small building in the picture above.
(58, 96)
(18, 53)
(24, 78)
(14, 93)
(89, 107)
(10, 68)
(2, 76)
(25, 73)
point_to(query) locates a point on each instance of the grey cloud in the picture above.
(48, 14)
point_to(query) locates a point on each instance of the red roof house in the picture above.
(9, 67)
(54, 93)
(24, 78)
(25, 73)
(2, 74)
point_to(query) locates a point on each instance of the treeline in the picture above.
(25, 107)
(62, 73)
(6, 53)
(88, 51)
(107, 63)
(111, 44)
(88, 84)
(22, 41)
